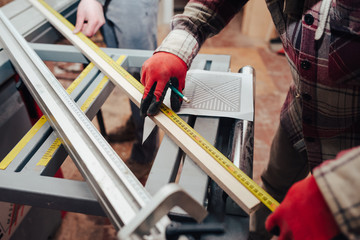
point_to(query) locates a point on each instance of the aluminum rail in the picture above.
(119, 192)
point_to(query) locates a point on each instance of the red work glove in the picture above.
(156, 74)
(303, 214)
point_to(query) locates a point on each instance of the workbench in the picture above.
(15, 120)
(27, 179)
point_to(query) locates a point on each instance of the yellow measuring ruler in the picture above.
(246, 181)
(254, 188)
(57, 143)
(44, 160)
(31, 133)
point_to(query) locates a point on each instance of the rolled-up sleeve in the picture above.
(339, 182)
(199, 21)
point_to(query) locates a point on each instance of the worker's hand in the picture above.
(89, 17)
(156, 74)
(303, 214)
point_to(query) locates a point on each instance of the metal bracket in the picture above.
(165, 199)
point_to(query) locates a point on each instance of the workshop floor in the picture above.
(272, 81)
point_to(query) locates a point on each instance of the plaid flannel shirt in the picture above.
(322, 110)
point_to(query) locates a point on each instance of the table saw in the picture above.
(26, 178)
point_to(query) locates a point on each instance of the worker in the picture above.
(319, 120)
(129, 25)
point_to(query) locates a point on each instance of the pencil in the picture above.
(174, 89)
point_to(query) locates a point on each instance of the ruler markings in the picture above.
(38, 125)
(45, 159)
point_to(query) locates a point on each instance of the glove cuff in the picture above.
(182, 44)
(178, 61)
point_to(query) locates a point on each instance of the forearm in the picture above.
(200, 20)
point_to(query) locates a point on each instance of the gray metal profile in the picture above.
(243, 140)
(33, 26)
(119, 192)
(24, 181)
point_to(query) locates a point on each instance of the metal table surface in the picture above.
(25, 181)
